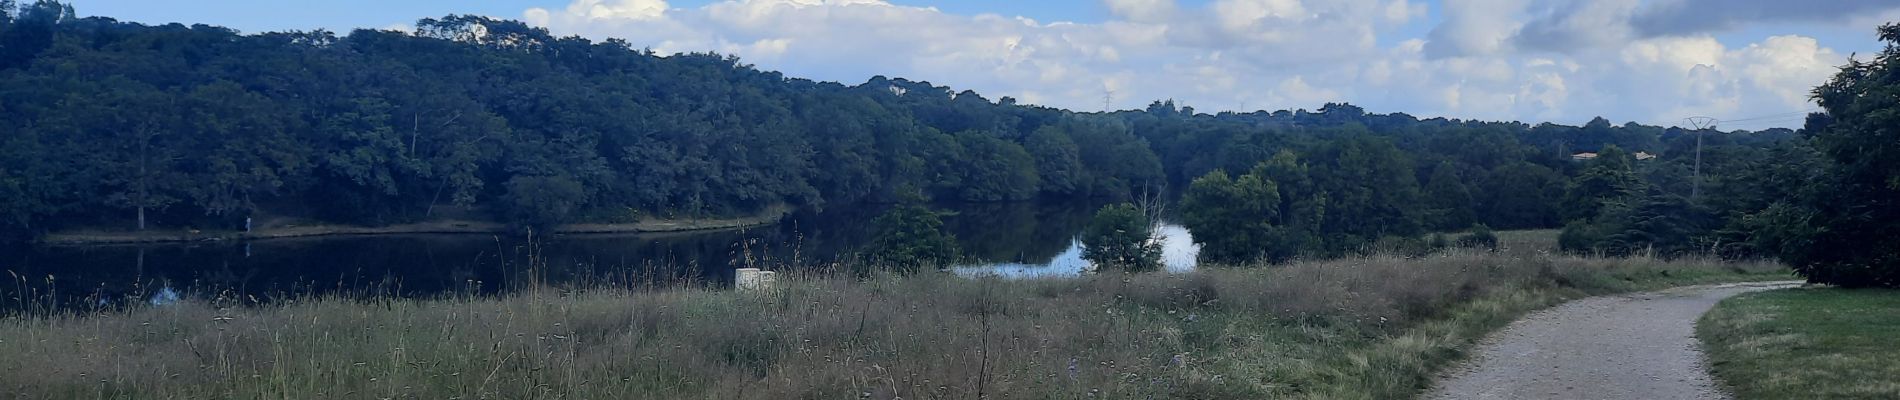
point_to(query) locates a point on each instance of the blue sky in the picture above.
(1650, 61)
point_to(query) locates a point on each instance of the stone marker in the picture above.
(754, 279)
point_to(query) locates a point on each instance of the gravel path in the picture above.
(1639, 346)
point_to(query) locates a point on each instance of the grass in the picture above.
(1818, 343)
(1361, 328)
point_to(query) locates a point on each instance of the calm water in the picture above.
(1014, 240)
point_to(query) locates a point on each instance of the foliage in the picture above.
(911, 237)
(542, 201)
(1846, 236)
(1448, 203)
(1285, 208)
(1120, 236)
(1232, 219)
(200, 126)
(1480, 237)
(1607, 179)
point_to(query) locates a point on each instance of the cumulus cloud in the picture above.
(1487, 59)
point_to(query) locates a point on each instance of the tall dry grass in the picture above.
(1374, 327)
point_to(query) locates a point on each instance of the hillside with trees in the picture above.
(124, 126)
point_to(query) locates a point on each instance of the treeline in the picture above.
(1828, 204)
(1826, 200)
(120, 125)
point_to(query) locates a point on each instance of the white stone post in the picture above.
(750, 279)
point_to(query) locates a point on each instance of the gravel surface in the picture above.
(1639, 346)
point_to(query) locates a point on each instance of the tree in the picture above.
(199, 125)
(1520, 195)
(911, 237)
(31, 31)
(1232, 219)
(544, 201)
(138, 147)
(997, 170)
(1120, 236)
(1448, 203)
(1058, 161)
(1371, 191)
(1607, 178)
(1848, 236)
(1300, 211)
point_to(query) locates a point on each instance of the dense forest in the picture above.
(125, 126)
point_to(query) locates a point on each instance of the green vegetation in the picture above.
(1356, 328)
(1806, 344)
(1829, 204)
(1480, 237)
(911, 237)
(1843, 232)
(115, 126)
(1121, 237)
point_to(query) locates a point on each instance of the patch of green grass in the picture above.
(1823, 343)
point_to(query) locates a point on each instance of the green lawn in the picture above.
(1807, 344)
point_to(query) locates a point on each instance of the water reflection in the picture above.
(164, 296)
(1177, 255)
(1016, 240)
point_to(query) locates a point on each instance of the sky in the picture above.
(1750, 62)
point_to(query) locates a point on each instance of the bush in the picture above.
(1403, 246)
(910, 237)
(1439, 241)
(1120, 236)
(1581, 237)
(1480, 236)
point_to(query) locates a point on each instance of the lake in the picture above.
(1016, 240)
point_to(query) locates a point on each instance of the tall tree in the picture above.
(1232, 219)
(1058, 161)
(1607, 178)
(1853, 228)
(1448, 203)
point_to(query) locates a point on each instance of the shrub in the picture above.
(1120, 236)
(1480, 236)
(911, 236)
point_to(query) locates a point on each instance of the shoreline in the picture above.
(771, 216)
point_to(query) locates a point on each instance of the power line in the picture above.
(1785, 115)
(1765, 123)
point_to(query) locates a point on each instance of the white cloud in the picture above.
(1142, 10)
(1475, 27)
(1488, 59)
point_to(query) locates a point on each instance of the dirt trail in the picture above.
(1639, 346)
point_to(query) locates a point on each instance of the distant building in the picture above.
(1583, 156)
(1644, 156)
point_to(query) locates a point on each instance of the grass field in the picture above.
(1359, 328)
(1807, 344)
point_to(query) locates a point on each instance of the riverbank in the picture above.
(1810, 343)
(88, 237)
(1375, 327)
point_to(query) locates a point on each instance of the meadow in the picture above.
(1371, 327)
